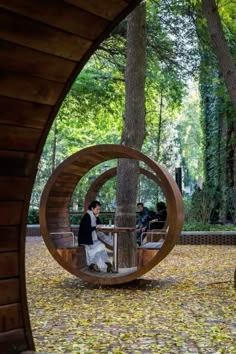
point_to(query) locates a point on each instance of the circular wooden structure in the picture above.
(104, 177)
(44, 45)
(54, 208)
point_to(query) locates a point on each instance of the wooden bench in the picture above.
(67, 247)
(148, 250)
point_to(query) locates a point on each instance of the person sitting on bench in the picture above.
(96, 255)
(142, 221)
(160, 218)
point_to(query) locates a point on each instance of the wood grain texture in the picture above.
(33, 62)
(9, 238)
(16, 163)
(9, 264)
(9, 291)
(35, 35)
(24, 114)
(10, 317)
(13, 341)
(59, 14)
(10, 213)
(13, 188)
(107, 8)
(42, 50)
(29, 88)
(93, 156)
(23, 139)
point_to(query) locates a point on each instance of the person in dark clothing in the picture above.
(142, 221)
(96, 255)
(160, 218)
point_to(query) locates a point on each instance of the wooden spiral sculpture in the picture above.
(54, 210)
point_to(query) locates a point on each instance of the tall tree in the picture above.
(133, 132)
(219, 43)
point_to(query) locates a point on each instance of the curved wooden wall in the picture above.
(55, 201)
(104, 177)
(44, 45)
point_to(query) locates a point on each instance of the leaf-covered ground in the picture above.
(184, 305)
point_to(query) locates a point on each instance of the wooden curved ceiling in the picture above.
(44, 44)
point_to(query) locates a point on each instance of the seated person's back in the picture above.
(160, 218)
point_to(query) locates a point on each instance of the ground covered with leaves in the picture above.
(184, 305)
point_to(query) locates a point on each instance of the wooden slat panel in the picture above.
(9, 266)
(60, 225)
(25, 114)
(9, 291)
(56, 212)
(106, 8)
(59, 14)
(9, 238)
(54, 202)
(56, 228)
(62, 193)
(14, 163)
(34, 63)
(17, 138)
(13, 188)
(54, 219)
(29, 88)
(10, 213)
(66, 177)
(10, 317)
(13, 341)
(34, 35)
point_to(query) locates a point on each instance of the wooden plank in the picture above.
(13, 188)
(25, 114)
(74, 256)
(56, 228)
(10, 317)
(34, 63)
(62, 202)
(10, 213)
(29, 88)
(60, 225)
(9, 291)
(32, 34)
(16, 163)
(9, 238)
(9, 266)
(57, 191)
(108, 9)
(60, 15)
(56, 212)
(13, 341)
(17, 138)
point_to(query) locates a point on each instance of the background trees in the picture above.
(190, 120)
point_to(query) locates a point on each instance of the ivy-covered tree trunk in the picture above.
(219, 123)
(133, 133)
(221, 48)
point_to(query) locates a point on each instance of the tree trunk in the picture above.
(54, 146)
(159, 127)
(133, 134)
(220, 46)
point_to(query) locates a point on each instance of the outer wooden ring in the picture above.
(54, 206)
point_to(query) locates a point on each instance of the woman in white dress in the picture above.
(96, 255)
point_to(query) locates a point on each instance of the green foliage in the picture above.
(33, 216)
(199, 226)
